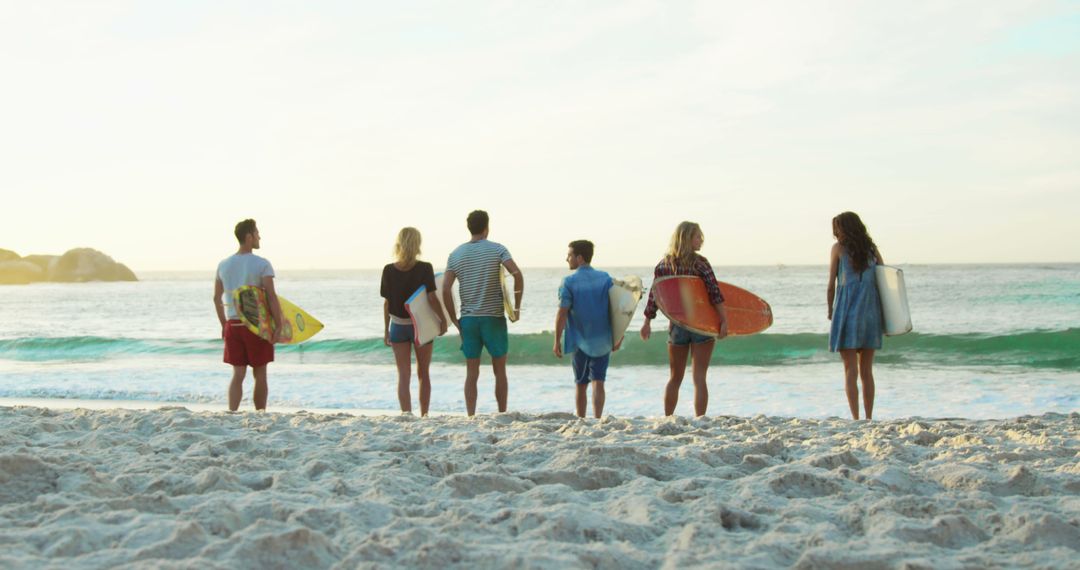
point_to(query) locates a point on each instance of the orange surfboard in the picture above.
(685, 302)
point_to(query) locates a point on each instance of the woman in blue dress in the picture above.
(855, 308)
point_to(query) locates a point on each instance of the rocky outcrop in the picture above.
(18, 272)
(77, 265)
(85, 264)
(42, 261)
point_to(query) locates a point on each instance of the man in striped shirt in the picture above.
(482, 323)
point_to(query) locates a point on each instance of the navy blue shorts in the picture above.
(588, 368)
(679, 336)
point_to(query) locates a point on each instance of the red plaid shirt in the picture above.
(700, 268)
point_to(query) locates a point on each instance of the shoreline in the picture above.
(151, 405)
(155, 405)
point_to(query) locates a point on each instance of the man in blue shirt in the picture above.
(584, 315)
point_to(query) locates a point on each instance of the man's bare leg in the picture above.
(262, 390)
(236, 387)
(581, 399)
(597, 399)
(502, 386)
(472, 374)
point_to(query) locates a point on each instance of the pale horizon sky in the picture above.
(147, 130)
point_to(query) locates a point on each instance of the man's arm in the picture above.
(448, 298)
(560, 325)
(275, 307)
(219, 306)
(519, 284)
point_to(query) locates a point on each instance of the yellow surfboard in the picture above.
(251, 305)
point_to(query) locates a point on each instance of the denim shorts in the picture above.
(478, 333)
(402, 333)
(679, 336)
(588, 368)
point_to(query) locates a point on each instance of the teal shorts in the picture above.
(478, 333)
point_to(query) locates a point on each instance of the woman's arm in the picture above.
(386, 321)
(433, 298)
(720, 310)
(834, 266)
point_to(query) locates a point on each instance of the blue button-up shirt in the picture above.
(588, 327)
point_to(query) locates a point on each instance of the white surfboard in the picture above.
(894, 303)
(440, 279)
(623, 298)
(508, 293)
(427, 324)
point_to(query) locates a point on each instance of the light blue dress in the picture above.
(857, 320)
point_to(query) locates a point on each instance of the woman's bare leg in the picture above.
(403, 359)
(423, 373)
(866, 373)
(851, 379)
(677, 356)
(702, 354)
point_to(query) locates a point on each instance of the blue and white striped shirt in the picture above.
(476, 265)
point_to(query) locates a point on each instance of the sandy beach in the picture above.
(173, 488)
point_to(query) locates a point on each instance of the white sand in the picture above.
(174, 488)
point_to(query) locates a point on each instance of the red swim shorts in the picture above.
(245, 348)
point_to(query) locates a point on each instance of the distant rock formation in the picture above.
(18, 272)
(75, 266)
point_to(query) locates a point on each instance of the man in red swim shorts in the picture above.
(244, 348)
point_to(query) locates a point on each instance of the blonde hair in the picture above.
(681, 252)
(407, 247)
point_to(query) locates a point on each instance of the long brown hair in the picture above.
(851, 233)
(681, 252)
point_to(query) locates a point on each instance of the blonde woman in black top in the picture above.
(400, 280)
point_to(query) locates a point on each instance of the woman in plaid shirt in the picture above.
(682, 259)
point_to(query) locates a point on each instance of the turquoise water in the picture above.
(1037, 349)
(989, 341)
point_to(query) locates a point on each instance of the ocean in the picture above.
(989, 341)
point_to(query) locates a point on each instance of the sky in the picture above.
(148, 129)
